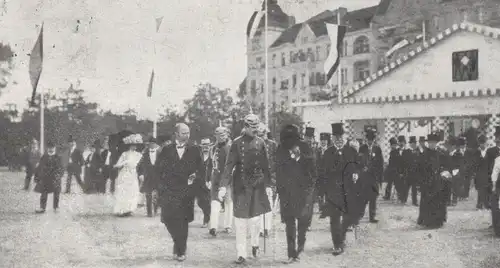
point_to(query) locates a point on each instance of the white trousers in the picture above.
(267, 220)
(215, 214)
(242, 227)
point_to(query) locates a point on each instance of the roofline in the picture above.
(464, 26)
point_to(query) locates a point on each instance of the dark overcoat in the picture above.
(295, 181)
(373, 167)
(480, 167)
(251, 176)
(93, 171)
(176, 197)
(150, 172)
(48, 174)
(341, 190)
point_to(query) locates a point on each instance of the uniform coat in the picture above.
(48, 174)
(295, 181)
(216, 167)
(372, 175)
(250, 178)
(150, 172)
(176, 197)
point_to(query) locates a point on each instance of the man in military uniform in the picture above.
(373, 169)
(251, 185)
(218, 155)
(271, 146)
(325, 142)
(342, 204)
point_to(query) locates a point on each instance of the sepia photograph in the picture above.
(249, 133)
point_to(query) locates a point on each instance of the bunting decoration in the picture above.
(35, 65)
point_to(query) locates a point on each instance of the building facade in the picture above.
(296, 55)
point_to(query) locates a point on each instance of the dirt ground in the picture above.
(84, 234)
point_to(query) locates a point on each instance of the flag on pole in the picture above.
(35, 65)
(158, 23)
(336, 33)
(150, 86)
(254, 22)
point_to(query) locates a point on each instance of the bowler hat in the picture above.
(393, 141)
(337, 129)
(421, 139)
(481, 139)
(401, 139)
(433, 137)
(324, 136)
(413, 139)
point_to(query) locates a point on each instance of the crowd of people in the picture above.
(250, 177)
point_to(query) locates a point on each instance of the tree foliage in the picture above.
(6, 55)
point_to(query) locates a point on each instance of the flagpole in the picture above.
(42, 121)
(339, 69)
(266, 89)
(423, 31)
(155, 115)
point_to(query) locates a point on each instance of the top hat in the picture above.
(289, 132)
(401, 139)
(481, 139)
(96, 144)
(324, 136)
(497, 131)
(433, 137)
(393, 141)
(337, 129)
(269, 135)
(421, 139)
(309, 132)
(152, 140)
(461, 141)
(370, 134)
(413, 139)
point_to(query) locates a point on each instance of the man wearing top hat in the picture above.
(309, 136)
(480, 170)
(458, 166)
(93, 168)
(106, 164)
(147, 169)
(391, 173)
(341, 205)
(373, 168)
(48, 176)
(433, 202)
(251, 185)
(414, 172)
(325, 142)
(403, 163)
(75, 162)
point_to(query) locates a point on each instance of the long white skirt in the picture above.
(126, 191)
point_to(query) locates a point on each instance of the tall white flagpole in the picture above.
(266, 89)
(423, 32)
(42, 121)
(155, 116)
(339, 69)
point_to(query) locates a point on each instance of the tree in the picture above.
(6, 55)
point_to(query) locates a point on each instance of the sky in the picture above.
(116, 46)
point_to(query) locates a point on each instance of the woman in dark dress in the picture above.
(433, 202)
(295, 177)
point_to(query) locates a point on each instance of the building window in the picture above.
(305, 40)
(480, 14)
(328, 50)
(262, 85)
(283, 60)
(318, 51)
(302, 55)
(464, 15)
(291, 57)
(344, 48)
(361, 70)
(343, 76)
(319, 79)
(294, 80)
(284, 84)
(312, 79)
(259, 62)
(361, 45)
(274, 81)
(253, 85)
(303, 80)
(435, 22)
(274, 60)
(310, 55)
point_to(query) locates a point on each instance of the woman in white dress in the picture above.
(127, 193)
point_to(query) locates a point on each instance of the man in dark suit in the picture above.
(148, 174)
(403, 160)
(414, 172)
(180, 165)
(75, 164)
(373, 170)
(106, 165)
(200, 188)
(390, 173)
(481, 179)
(342, 205)
(325, 142)
(93, 169)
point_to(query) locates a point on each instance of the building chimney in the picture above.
(342, 11)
